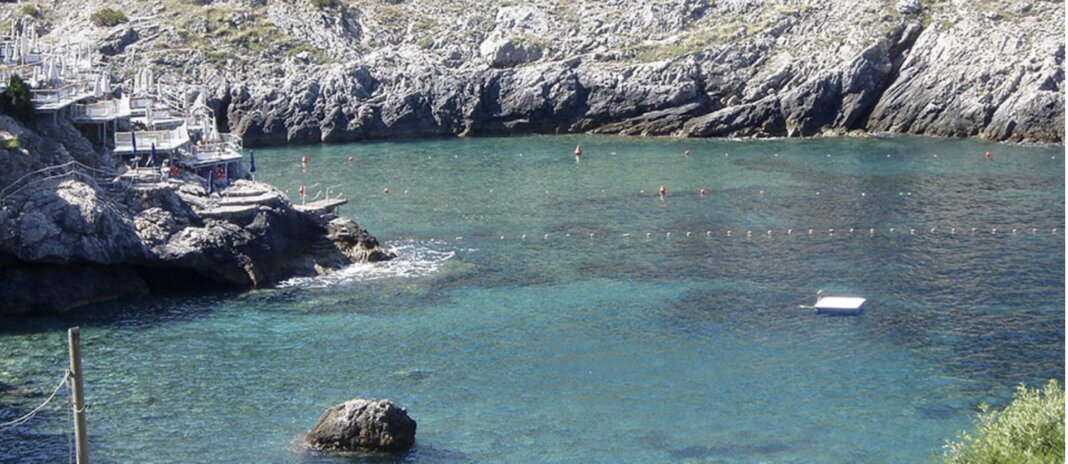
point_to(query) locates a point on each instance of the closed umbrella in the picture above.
(152, 156)
(252, 163)
(133, 142)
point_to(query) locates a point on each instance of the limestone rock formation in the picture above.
(79, 233)
(367, 424)
(279, 72)
(307, 72)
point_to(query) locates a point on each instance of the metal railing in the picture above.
(56, 97)
(163, 139)
(59, 171)
(102, 111)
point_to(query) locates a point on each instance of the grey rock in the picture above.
(376, 69)
(364, 424)
(116, 241)
(909, 7)
(507, 53)
(117, 41)
(762, 118)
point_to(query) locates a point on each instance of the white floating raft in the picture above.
(839, 305)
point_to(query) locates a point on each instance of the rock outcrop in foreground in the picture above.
(303, 71)
(360, 424)
(82, 233)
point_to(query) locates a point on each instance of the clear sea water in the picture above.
(603, 348)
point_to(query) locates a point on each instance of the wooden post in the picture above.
(78, 394)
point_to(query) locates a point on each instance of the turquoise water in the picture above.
(513, 335)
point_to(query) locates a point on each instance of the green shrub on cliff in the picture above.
(1029, 430)
(29, 9)
(16, 102)
(322, 4)
(107, 17)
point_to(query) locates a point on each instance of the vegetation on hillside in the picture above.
(107, 17)
(29, 9)
(1028, 430)
(16, 101)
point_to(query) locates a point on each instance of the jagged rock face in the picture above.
(71, 224)
(355, 242)
(81, 238)
(692, 68)
(507, 53)
(1016, 99)
(364, 424)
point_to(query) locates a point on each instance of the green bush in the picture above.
(107, 17)
(1029, 430)
(29, 9)
(16, 102)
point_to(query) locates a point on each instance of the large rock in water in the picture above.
(364, 424)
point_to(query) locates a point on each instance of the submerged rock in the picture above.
(367, 424)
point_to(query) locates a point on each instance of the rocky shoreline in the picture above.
(300, 72)
(90, 233)
(297, 71)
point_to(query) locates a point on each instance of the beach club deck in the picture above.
(101, 111)
(167, 141)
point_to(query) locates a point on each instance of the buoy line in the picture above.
(757, 234)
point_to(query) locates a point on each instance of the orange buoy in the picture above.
(989, 155)
(687, 153)
(663, 190)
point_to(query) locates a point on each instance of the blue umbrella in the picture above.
(152, 156)
(133, 141)
(251, 161)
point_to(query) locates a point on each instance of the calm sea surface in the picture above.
(547, 334)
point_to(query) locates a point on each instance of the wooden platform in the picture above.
(840, 305)
(326, 205)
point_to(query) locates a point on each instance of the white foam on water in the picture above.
(414, 259)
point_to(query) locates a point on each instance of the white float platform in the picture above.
(840, 305)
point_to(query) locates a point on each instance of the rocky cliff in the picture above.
(74, 230)
(328, 70)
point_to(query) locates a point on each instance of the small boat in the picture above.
(839, 305)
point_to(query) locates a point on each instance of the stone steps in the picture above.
(263, 198)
